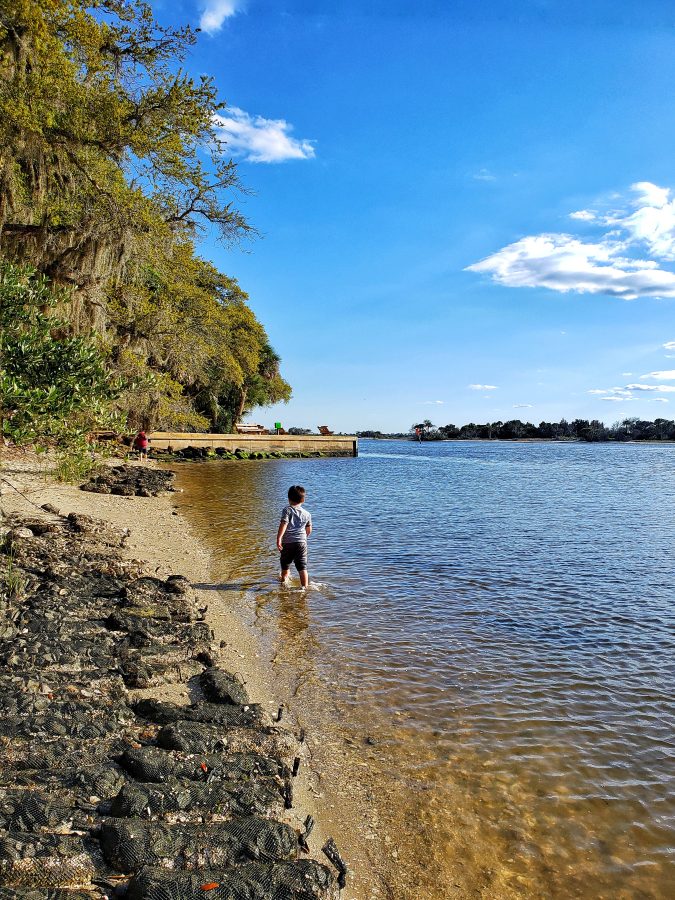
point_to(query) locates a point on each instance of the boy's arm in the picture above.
(280, 533)
(308, 529)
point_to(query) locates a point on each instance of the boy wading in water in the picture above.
(294, 528)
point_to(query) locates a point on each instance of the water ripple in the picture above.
(513, 605)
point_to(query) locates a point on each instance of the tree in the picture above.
(103, 139)
(110, 166)
(422, 428)
(51, 383)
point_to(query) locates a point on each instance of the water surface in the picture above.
(494, 627)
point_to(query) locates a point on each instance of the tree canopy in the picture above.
(110, 168)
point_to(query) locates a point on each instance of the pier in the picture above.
(330, 445)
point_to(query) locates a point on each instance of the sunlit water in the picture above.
(495, 622)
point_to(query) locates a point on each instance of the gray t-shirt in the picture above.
(298, 519)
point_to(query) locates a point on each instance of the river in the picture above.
(491, 625)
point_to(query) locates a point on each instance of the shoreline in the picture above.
(162, 538)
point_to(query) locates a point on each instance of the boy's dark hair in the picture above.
(296, 493)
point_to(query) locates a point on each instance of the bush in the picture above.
(53, 385)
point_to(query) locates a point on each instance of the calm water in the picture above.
(498, 620)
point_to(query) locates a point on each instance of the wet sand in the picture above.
(160, 536)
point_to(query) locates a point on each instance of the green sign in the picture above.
(277, 425)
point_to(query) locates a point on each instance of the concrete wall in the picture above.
(340, 445)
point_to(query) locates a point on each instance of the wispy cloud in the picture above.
(616, 391)
(665, 375)
(669, 345)
(659, 400)
(522, 406)
(625, 260)
(628, 392)
(434, 402)
(484, 175)
(483, 387)
(660, 388)
(260, 140)
(216, 11)
(616, 399)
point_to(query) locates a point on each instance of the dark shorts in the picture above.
(294, 553)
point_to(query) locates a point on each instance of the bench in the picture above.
(250, 429)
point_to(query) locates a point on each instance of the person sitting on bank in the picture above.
(141, 442)
(294, 529)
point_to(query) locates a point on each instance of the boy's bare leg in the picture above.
(283, 576)
(304, 577)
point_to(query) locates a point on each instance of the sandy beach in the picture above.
(163, 540)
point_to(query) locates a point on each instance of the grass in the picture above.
(14, 580)
(74, 465)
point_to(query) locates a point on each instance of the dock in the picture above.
(329, 445)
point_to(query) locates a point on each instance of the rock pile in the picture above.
(203, 453)
(101, 796)
(129, 481)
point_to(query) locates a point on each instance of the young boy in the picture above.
(294, 528)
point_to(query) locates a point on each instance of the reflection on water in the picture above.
(494, 627)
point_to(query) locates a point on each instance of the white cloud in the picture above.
(669, 345)
(616, 399)
(653, 222)
(666, 375)
(651, 194)
(434, 402)
(563, 263)
(258, 139)
(659, 400)
(522, 406)
(483, 387)
(615, 393)
(621, 261)
(484, 175)
(215, 12)
(661, 388)
(626, 374)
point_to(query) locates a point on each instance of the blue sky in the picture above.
(466, 209)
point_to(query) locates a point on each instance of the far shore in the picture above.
(411, 440)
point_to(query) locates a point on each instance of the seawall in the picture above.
(330, 445)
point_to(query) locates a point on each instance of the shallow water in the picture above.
(494, 624)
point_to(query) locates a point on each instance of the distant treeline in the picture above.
(632, 429)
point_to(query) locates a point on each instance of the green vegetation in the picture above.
(109, 170)
(51, 382)
(13, 581)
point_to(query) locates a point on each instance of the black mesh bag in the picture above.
(212, 713)
(193, 737)
(49, 860)
(32, 810)
(223, 798)
(302, 880)
(129, 844)
(155, 764)
(222, 687)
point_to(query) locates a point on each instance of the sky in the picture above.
(466, 210)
